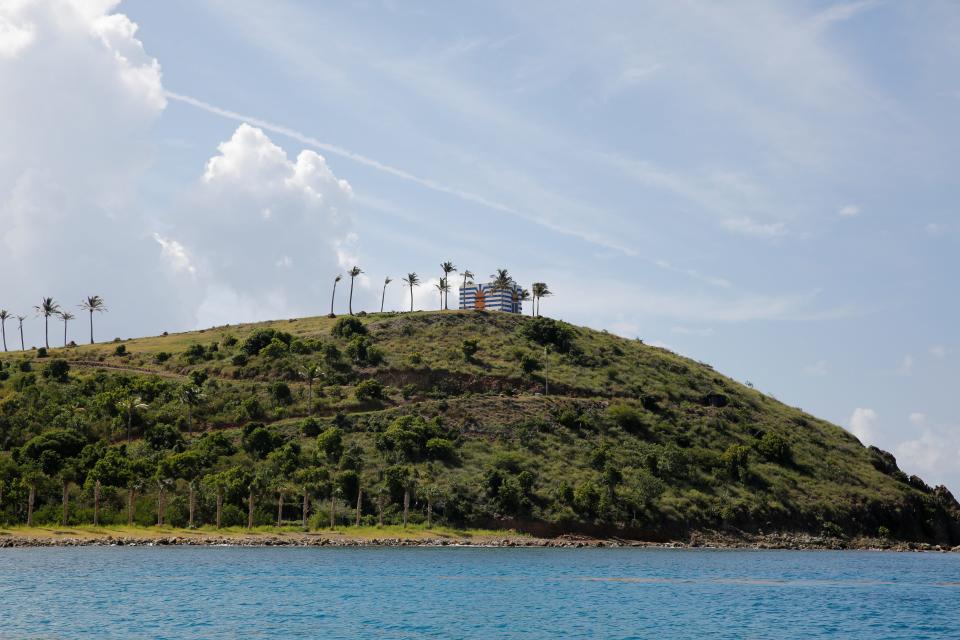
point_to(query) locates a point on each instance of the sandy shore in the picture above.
(76, 537)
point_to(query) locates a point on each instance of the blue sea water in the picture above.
(212, 592)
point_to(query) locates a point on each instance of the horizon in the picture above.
(767, 188)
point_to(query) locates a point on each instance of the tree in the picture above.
(91, 304)
(540, 290)
(20, 320)
(163, 476)
(448, 268)
(191, 396)
(66, 316)
(523, 296)
(310, 480)
(412, 280)
(48, 307)
(4, 316)
(129, 406)
(383, 295)
(467, 276)
(353, 273)
(113, 469)
(334, 295)
(32, 476)
(188, 466)
(444, 289)
(502, 280)
(311, 373)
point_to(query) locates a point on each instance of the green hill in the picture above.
(479, 419)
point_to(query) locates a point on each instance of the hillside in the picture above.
(471, 418)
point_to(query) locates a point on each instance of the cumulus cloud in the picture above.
(938, 351)
(861, 424)
(750, 227)
(262, 233)
(71, 159)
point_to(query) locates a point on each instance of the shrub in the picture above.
(25, 366)
(262, 337)
(348, 327)
(194, 352)
(470, 349)
(439, 449)
(42, 352)
(239, 360)
(330, 442)
(883, 532)
(627, 418)
(545, 331)
(57, 370)
(161, 357)
(310, 428)
(252, 408)
(408, 435)
(734, 461)
(276, 348)
(361, 351)
(774, 448)
(369, 390)
(416, 359)
(280, 392)
(529, 364)
(161, 437)
(259, 440)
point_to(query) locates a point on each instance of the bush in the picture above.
(735, 460)
(161, 357)
(259, 440)
(529, 364)
(369, 390)
(549, 332)
(252, 408)
(25, 366)
(239, 360)
(262, 337)
(280, 392)
(470, 349)
(627, 418)
(194, 352)
(439, 449)
(276, 348)
(330, 442)
(310, 428)
(57, 370)
(774, 448)
(348, 327)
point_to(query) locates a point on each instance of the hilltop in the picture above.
(479, 419)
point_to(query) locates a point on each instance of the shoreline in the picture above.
(52, 537)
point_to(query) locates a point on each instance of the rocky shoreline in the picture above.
(794, 542)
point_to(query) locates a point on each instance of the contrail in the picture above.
(391, 170)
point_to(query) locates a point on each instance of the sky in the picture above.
(769, 187)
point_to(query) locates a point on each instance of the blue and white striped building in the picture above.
(484, 296)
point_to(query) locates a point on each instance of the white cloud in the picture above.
(861, 424)
(750, 227)
(222, 232)
(935, 228)
(938, 351)
(849, 211)
(917, 419)
(932, 453)
(78, 99)
(175, 254)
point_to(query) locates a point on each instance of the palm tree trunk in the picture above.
(190, 506)
(30, 500)
(91, 326)
(250, 510)
(411, 297)
(64, 333)
(219, 505)
(66, 497)
(406, 506)
(131, 498)
(429, 512)
(333, 511)
(333, 296)
(3, 328)
(96, 503)
(350, 302)
(22, 347)
(46, 331)
(306, 508)
(359, 504)
(383, 296)
(279, 508)
(380, 511)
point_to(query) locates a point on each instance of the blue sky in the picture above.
(767, 187)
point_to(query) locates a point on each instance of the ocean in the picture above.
(227, 592)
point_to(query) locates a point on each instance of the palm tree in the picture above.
(502, 280)
(20, 320)
(130, 405)
(467, 276)
(47, 308)
(4, 316)
(412, 280)
(443, 288)
(523, 296)
(383, 295)
(91, 304)
(191, 396)
(66, 316)
(448, 268)
(310, 373)
(540, 290)
(335, 281)
(353, 273)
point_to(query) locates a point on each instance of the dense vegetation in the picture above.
(468, 418)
